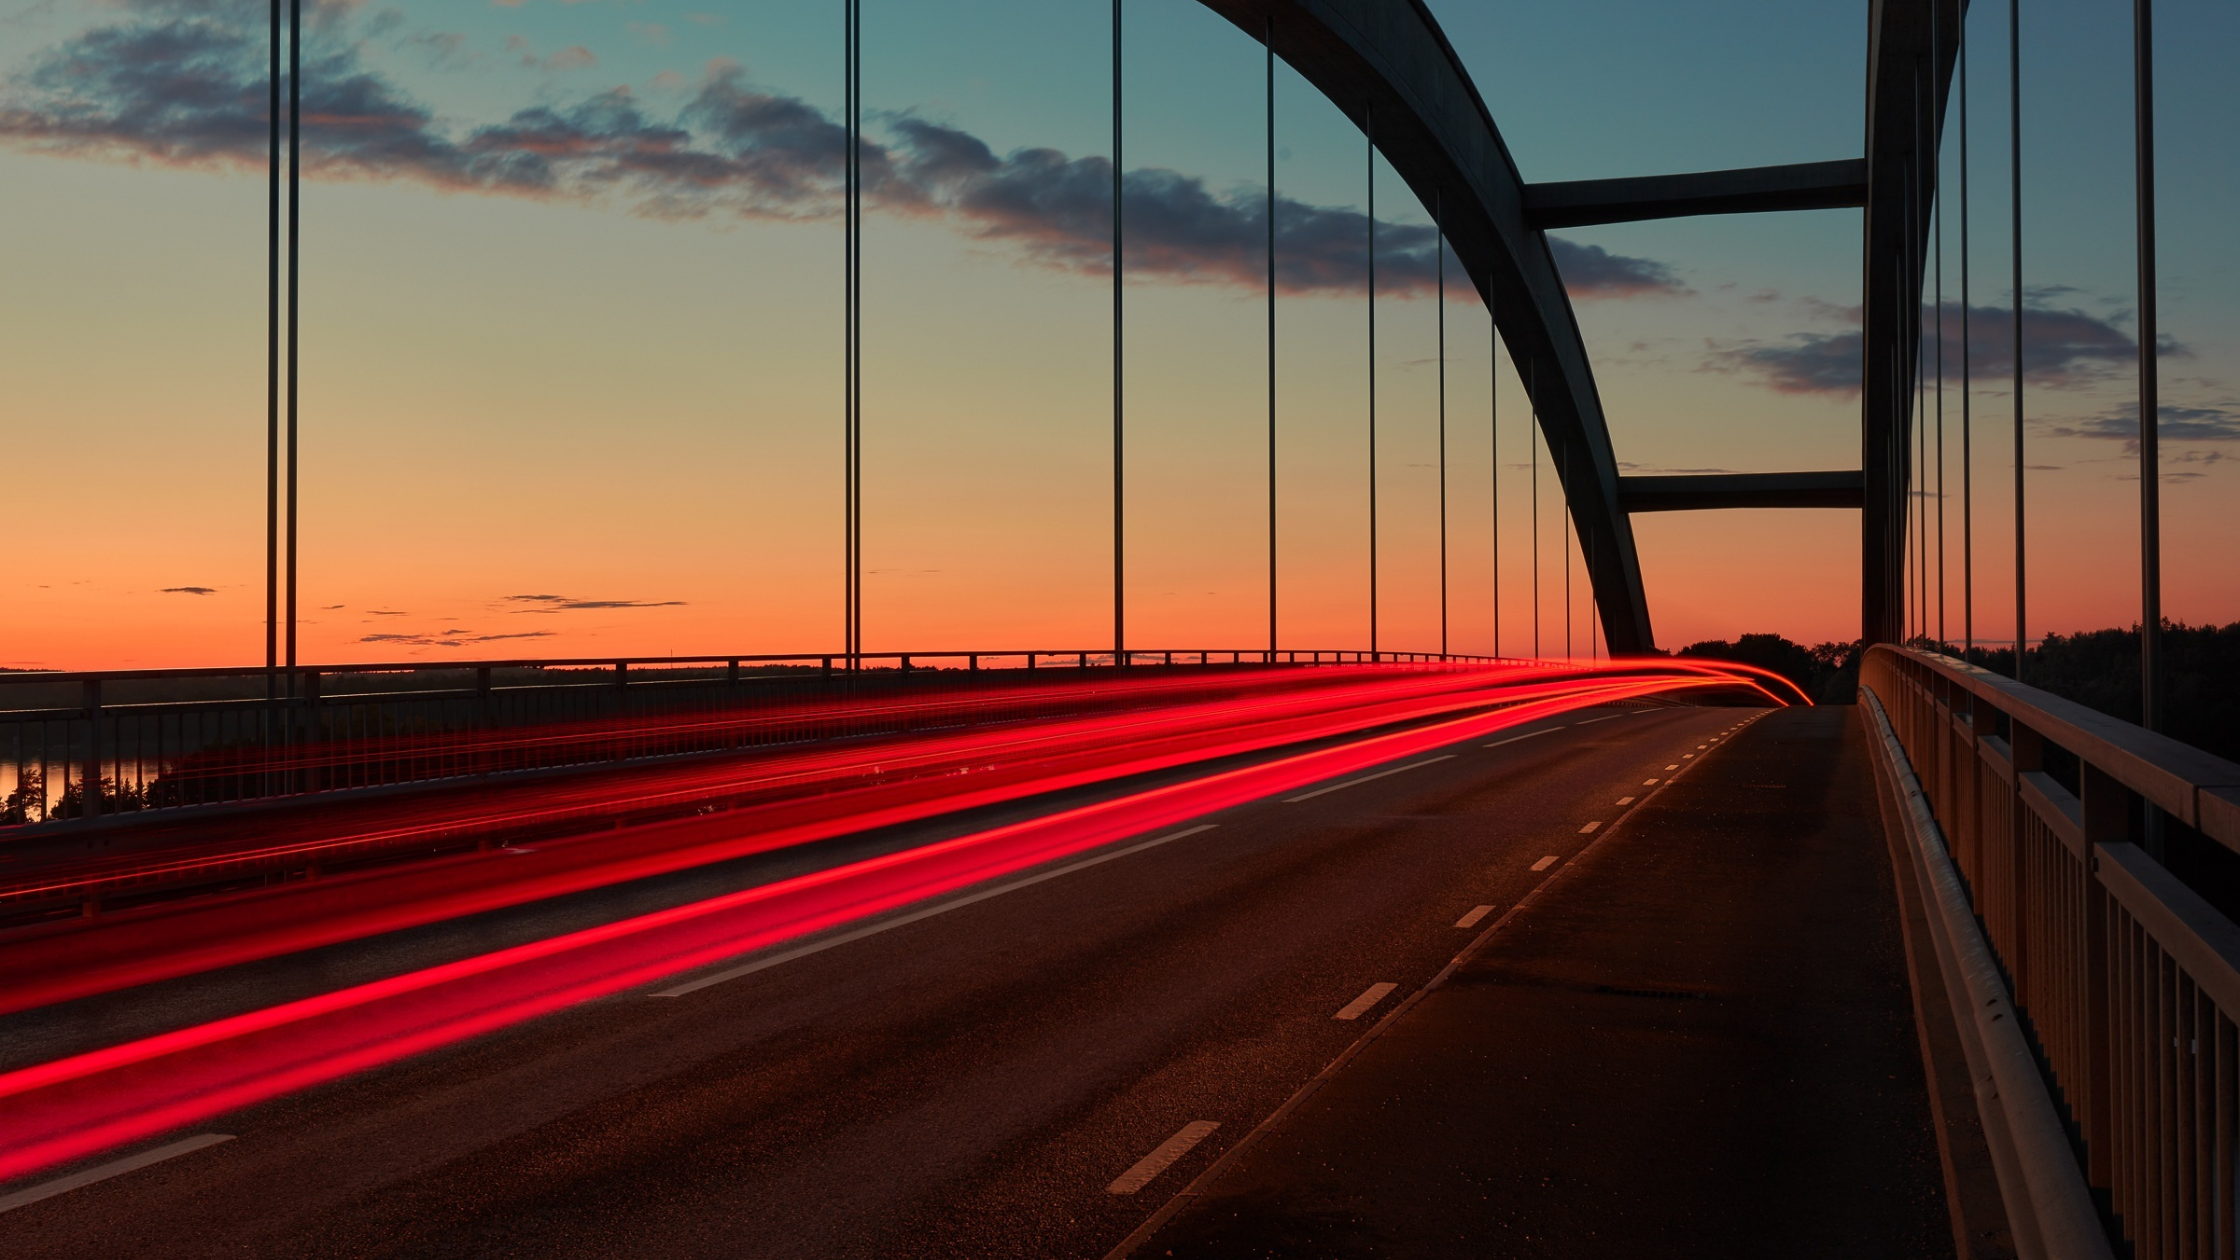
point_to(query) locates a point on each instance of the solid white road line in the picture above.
(1546, 862)
(1160, 1160)
(114, 1168)
(1308, 796)
(1370, 996)
(1527, 735)
(1625, 800)
(1471, 919)
(816, 947)
(1604, 718)
(1590, 827)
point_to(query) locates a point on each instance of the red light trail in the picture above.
(73, 1107)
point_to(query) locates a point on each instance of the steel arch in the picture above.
(1390, 56)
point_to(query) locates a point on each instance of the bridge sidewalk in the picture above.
(1701, 1042)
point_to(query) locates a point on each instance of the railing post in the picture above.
(89, 782)
(2110, 817)
(2029, 751)
(310, 724)
(732, 677)
(1983, 723)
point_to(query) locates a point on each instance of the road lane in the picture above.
(969, 1083)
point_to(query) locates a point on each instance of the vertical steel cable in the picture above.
(1967, 389)
(295, 254)
(1270, 47)
(1369, 134)
(2014, 194)
(1442, 213)
(272, 375)
(848, 331)
(1936, 193)
(2150, 412)
(1532, 396)
(1493, 442)
(1924, 129)
(1563, 479)
(1119, 464)
(852, 368)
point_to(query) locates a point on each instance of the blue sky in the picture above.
(571, 313)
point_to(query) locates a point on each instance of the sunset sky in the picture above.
(572, 327)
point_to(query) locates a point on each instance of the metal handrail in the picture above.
(2128, 979)
(1102, 656)
(243, 739)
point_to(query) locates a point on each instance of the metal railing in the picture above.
(2128, 979)
(81, 745)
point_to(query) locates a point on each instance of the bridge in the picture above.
(1144, 948)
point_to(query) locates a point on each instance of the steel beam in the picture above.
(1389, 57)
(1710, 491)
(1834, 185)
(1911, 50)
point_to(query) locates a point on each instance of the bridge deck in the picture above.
(1701, 1042)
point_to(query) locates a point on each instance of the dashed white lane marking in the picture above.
(1308, 796)
(1701, 747)
(1370, 996)
(1685, 756)
(1471, 919)
(1158, 1161)
(1672, 767)
(1625, 800)
(114, 1168)
(1648, 783)
(1546, 862)
(914, 916)
(1604, 718)
(1527, 735)
(1590, 826)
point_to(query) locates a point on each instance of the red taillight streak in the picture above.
(74, 1107)
(105, 955)
(690, 783)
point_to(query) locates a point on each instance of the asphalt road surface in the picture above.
(983, 1081)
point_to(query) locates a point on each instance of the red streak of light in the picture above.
(70, 1108)
(86, 957)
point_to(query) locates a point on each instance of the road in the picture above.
(966, 1083)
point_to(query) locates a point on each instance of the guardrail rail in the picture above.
(86, 744)
(2128, 979)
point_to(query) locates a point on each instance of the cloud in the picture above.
(1592, 271)
(449, 638)
(563, 603)
(2062, 348)
(179, 84)
(2175, 424)
(190, 590)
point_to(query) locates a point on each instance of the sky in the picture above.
(571, 319)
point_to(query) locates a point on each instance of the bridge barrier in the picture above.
(75, 746)
(2126, 980)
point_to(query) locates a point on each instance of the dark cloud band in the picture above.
(180, 83)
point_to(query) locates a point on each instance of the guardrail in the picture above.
(80, 745)
(2127, 979)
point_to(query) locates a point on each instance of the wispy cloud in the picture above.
(449, 638)
(563, 603)
(190, 590)
(179, 83)
(2062, 347)
(2175, 424)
